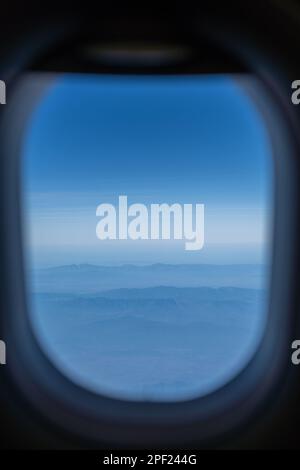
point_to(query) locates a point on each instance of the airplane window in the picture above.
(147, 203)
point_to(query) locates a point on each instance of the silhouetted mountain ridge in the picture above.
(87, 278)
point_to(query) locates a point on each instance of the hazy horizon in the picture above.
(148, 264)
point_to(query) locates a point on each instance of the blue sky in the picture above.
(161, 139)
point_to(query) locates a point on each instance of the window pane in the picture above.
(127, 300)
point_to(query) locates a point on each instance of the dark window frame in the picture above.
(202, 420)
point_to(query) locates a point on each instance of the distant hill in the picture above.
(186, 293)
(162, 304)
(152, 342)
(87, 278)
